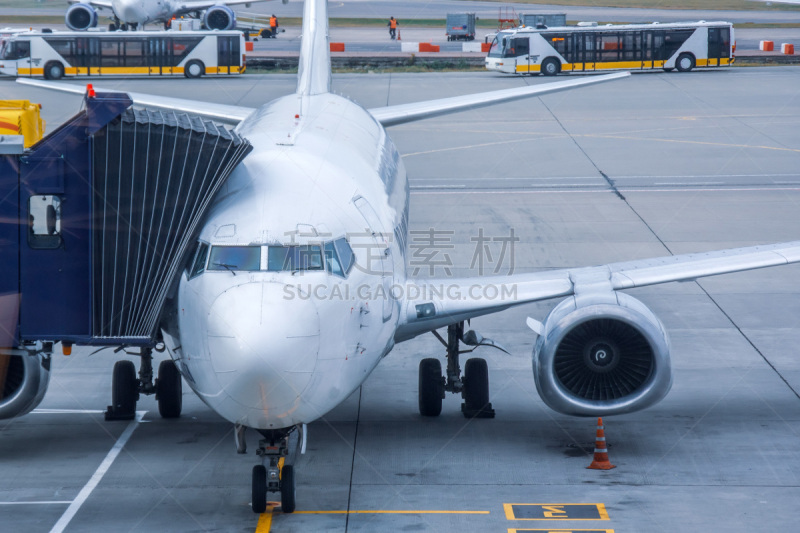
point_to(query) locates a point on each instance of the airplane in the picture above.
(297, 287)
(130, 14)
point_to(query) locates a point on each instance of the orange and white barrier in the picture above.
(337, 47)
(766, 46)
(787, 49)
(419, 47)
(472, 47)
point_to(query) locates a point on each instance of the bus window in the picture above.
(519, 47)
(609, 48)
(64, 47)
(134, 52)
(110, 53)
(496, 49)
(17, 50)
(673, 40)
(183, 46)
(631, 45)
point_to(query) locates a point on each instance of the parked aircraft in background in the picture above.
(132, 14)
(297, 286)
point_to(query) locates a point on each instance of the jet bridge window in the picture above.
(44, 221)
(232, 258)
(293, 258)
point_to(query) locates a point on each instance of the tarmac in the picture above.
(652, 165)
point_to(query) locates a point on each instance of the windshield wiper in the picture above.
(228, 267)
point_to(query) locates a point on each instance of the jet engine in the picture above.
(81, 17)
(602, 354)
(27, 377)
(219, 18)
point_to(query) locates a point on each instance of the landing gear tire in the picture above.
(287, 489)
(124, 392)
(685, 62)
(476, 389)
(431, 387)
(169, 390)
(194, 69)
(259, 489)
(550, 66)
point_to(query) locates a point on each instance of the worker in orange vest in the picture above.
(392, 27)
(273, 26)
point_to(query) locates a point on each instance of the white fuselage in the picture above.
(143, 11)
(271, 349)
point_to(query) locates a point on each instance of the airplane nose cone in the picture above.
(263, 346)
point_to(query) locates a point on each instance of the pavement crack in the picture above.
(353, 462)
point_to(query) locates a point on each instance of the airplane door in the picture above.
(379, 259)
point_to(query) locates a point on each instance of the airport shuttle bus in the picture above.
(590, 47)
(147, 53)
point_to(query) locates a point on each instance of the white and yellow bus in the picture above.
(142, 53)
(589, 47)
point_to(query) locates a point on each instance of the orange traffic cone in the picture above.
(398, 34)
(600, 461)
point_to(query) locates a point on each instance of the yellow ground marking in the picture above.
(265, 520)
(391, 512)
(553, 511)
(559, 530)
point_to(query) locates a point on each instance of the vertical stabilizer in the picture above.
(314, 73)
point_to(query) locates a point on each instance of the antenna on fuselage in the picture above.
(314, 71)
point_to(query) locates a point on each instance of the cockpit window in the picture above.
(235, 258)
(332, 260)
(199, 260)
(293, 258)
(346, 256)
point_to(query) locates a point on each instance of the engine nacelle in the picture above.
(81, 17)
(219, 18)
(602, 355)
(27, 378)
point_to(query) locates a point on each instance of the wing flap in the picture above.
(400, 114)
(227, 114)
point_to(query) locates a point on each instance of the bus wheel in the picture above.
(54, 70)
(194, 69)
(550, 66)
(685, 62)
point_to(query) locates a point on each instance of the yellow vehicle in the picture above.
(20, 117)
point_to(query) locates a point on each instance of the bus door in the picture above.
(159, 56)
(719, 45)
(653, 49)
(87, 56)
(585, 47)
(520, 49)
(228, 55)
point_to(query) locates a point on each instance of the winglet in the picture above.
(314, 72)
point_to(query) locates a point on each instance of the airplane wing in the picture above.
(455, 300)
(400, 114)
(186, 7)
(228, 114)
(102, 4)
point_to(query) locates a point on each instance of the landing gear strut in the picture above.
(276, 471)
(125, 388)
(474, 387)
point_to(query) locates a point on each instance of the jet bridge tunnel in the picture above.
(96, 220)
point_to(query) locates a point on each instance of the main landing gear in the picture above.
(474, 387)
(276, 471)
(126, 388)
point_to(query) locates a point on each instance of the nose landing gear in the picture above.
(276, 471)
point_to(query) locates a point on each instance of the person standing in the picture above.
(392, 27)
(273, 26)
